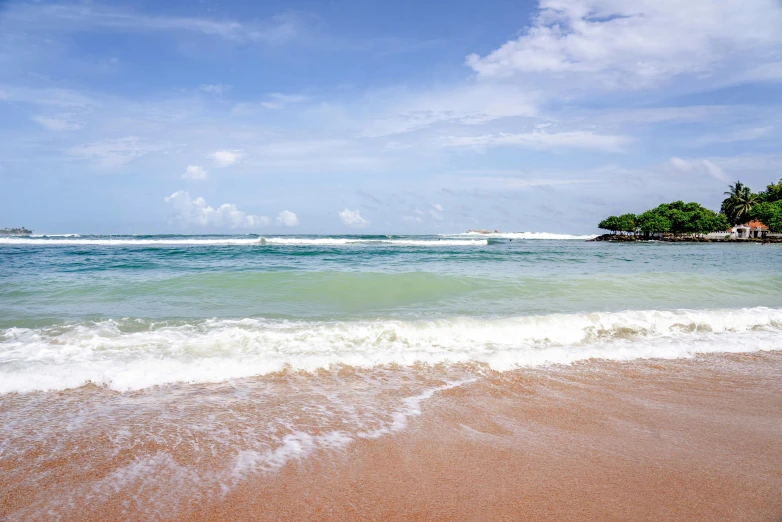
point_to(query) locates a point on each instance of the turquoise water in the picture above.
(87, 309)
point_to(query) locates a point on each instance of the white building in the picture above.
(752, 230)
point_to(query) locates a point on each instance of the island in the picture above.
(15, 231)
(743, 216)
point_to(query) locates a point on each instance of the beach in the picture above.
(398, 378)
(651, 440)
(691, 440)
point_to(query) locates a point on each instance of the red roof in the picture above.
(755, 224)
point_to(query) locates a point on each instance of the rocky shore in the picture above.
(619, 238)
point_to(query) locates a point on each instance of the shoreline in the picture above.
(649, 440)
(616, 238)
(653, 439)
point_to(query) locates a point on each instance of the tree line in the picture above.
(15, 231)
(740, 206)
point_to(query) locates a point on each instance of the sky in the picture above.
(365, 116)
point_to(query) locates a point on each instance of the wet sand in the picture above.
(645, 440)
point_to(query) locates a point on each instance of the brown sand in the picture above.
(650, 440)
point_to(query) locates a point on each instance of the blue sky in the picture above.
(380, 117)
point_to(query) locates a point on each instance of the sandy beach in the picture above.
(644, 440)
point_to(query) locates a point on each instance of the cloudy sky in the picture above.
(380, 117)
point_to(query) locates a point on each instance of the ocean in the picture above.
(157, 376)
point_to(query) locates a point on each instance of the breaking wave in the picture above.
(125, 241)
(328, 241)
(74, 240)
(523, 235)
(134, 354)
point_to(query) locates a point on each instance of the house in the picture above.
(752, 230)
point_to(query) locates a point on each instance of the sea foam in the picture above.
(271, 241)
(523, 235)
(328, 241)
(124, 241)
(129, 355)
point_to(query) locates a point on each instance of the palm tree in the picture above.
(741, 204)
(735, 189)
(727, 204)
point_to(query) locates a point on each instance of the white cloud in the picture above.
(81, 17)
(411, 219)
(196, 212)
(62, 98)
(541, 140)
(739, 135)
(681, 165)
(514, 183)
(326, 155)
(226, 158)
(750, 163)
(352, 218)
(195, 173)
(699, 166)
(113, 152)
(280, 101)
(56, 124)
(715, 171)
(436, 211)
(469, 104)
(286, 218)
(214, 88)
(638, 42)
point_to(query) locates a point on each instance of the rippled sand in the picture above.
(646, 440)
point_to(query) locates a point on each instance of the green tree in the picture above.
(704, 221)
(738, 205)
(682, 218)
(679, 220)
(773, 192)
(677, 217)
(652, 222)
(627, 222)
(612, 223)
(770, 214)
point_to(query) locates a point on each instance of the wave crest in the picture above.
(134, 354)
(524, 235)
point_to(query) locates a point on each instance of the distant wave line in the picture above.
(522, 235)
(278, 241)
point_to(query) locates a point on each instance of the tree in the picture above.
(773, 192)
(704, 221)
(681, 218)
(738, 205)
(612, 223)
(652, 222)
(627, 222)
(770, 214)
